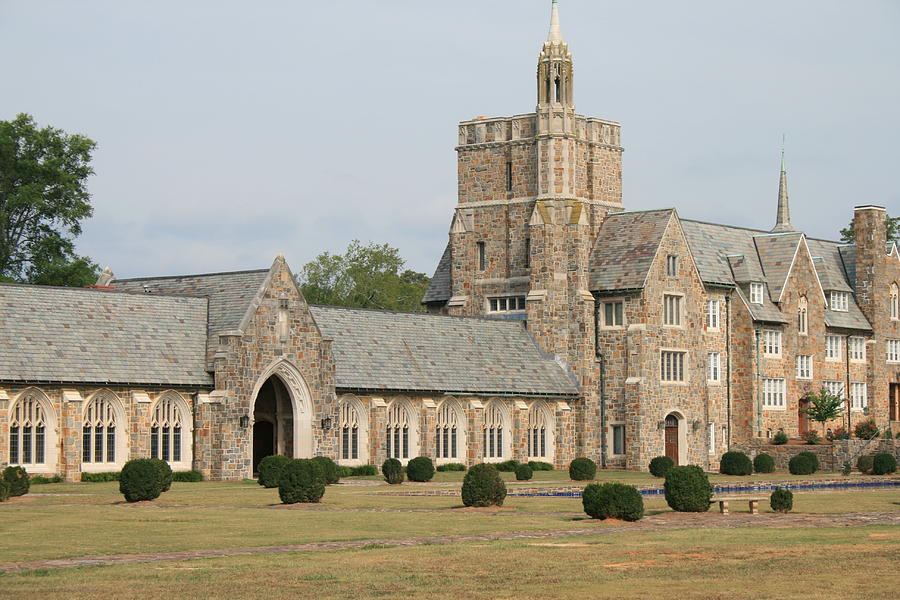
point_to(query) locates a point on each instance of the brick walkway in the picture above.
(664, 521)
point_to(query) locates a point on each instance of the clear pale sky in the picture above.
(230, 131)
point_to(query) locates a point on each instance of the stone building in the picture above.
(560, 325)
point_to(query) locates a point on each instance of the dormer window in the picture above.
(756, 293)
(671, 265)
(839, 301)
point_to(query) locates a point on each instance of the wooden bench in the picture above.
(723, 503)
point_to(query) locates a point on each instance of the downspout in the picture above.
(847, 382)
(728, 372)
(758, 388)
(602, 384)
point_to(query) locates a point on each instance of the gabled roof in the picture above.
(830, 266)
(383, 350)
(439, 289)
(625, 248)
(78, 335)
(776, 253)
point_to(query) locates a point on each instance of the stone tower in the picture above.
(533, 192)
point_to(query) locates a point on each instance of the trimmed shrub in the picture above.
(865, 463)
(40, 479)
(763, 463)
(612, 501)
(329, 469)
(507, 466)
(392, 471)
(781, 500)
(866, 430)
(884, 463)
(537, 465)
(452, 467)
(482, 486)
(187, 476)
(17, 478)
(524, 473)
(688, 489)
(812, 456)
(735, 462)
(164, 472)
(302, 480)
(101, 477)
(582, 469)
(840, 434)
(780, 438)
(365, 471)
(660, 466)
(269, 470)
(801, 465)
(812, 437)
(141, 479)
(420, 469)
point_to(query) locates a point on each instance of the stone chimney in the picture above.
(869, 225)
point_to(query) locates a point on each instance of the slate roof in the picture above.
(776, 255)
(381, 350)
(78, 335)
(439, 289)
(625, 248)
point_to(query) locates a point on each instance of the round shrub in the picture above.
(866, 430)
(660, 466)
(582, 469)
(482, 486)
(801, 465)
(17, 478)
(781, 500)
(524, 473)
(164, 472)
(141, 479)
(302, 480)
(392, 471)
(537, 465)
(865, 463)
(735, 462)
(507, 466)
(329, 469)
(612, 501)
(451, 467)
(884, 463)
(813, 458)
(4, 491)
(420, 469)
(270, 468)
(688, 489)
(763, 463)
(780, 438)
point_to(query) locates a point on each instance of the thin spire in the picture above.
(783, 219)
(555, 33)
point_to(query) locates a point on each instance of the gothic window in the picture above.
(540, 432)
(28, 432)
(99, 430)
(447, 431)
(802, 317)
(349, 426)
(493, 435)
(401, 442)
(895, 302)
(169, 430)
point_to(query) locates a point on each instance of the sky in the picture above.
(231, 131)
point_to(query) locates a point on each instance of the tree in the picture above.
(892, 225)
(43, 200)
(370, 276)
(824, 406)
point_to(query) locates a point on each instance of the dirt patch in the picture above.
(881, 535)
(21, 499)
(630, 565)
(569, 545)
(689, 555)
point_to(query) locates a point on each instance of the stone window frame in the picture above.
(773, 343)
(122, 429)
(774, 393)
(714, 367)
(494, 302)
(496, 412)
(450, 407)
(351, 411)
(178, 404)
(402, 407)
(803, 316)
(711, 438)
(713, 314)
(51, 438)
(834, 387)
(612, 438)
(833, 351)
(604, 324)
(539, 414)
(859, 398)
(480, 256)
(804, 371)
(856, 348)
(679, 304)
(895, 302)
(893, 351)
(685, 360)
(671, 265)
(757, 291)
(839, 301)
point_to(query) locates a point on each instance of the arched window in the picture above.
(28, 432)
(170, 430)
(802, 317)
(353, 431)
(448, 434)
(895, 302)
(540, 432)
(99, 431)
(401, 431)
(495, 432)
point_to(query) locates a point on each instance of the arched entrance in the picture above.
(282, 415)
(671, 428)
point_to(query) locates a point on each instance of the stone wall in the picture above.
(831, 456)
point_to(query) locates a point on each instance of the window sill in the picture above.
(714, 382)
(775, 408)
(673, 382)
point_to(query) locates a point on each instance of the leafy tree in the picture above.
(824, 406)
(892, 225)
(43, 200)
(370, 276)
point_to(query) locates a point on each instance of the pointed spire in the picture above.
(783, 219)
(555, 34)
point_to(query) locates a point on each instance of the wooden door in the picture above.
(802, 417)
(895, 402)
(672, 438)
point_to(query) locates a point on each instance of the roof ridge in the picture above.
(417, 313)
(102, 290)
(194, 275)
(763, 231)
(633, 212)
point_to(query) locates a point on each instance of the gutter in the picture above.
(758, 387)
(728, 372)
(600, 359)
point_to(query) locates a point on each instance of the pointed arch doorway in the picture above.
(671, 438)
(282, 415)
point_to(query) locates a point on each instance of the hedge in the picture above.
(187, 476)
(482, 486)
(392, 471)
(360, 471)
(763, 463)
(688, 489)
(507, 466)
(41, 479)
(612, 501)
(451, 467)
(420, 469)
(141, 479)
(269, 470)
(302, 480)
(735, 462)
(101, 477)
(17, 478)
(802, 464)
(537, 465)
(660, 466)
(524, 473)
(329, 469)
(582, 469)
(884, 463)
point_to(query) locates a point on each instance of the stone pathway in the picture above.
(664, 521)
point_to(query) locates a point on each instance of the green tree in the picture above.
(43, 200)
(892, 225)
(370, 276)
(823, 407)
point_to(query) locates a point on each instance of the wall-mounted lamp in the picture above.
(245, 422)
(326, 423)
(697, 425)
(661, 425)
